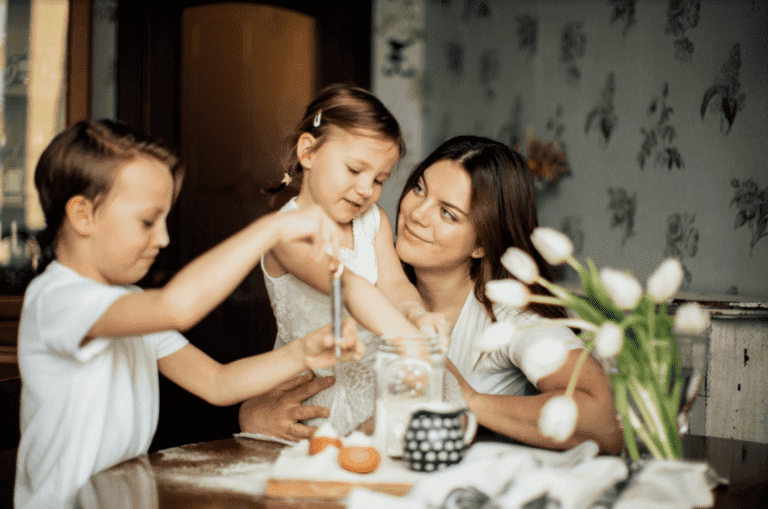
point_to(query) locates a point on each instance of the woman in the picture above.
(461, 208)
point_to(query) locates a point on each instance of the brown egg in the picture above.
(361, 459)
(317, 444)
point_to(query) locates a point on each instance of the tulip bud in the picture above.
(496, 336)
(543, 357)
(553, 245)
(623, 289)
(665, 281)
(558, 418)
(520, 264)
(608, 340)
(691, 318)
(508, 292)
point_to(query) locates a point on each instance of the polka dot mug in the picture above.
(438, 436)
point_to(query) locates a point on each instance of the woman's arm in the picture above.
(517, 416)
(227, 384)
(205, 282)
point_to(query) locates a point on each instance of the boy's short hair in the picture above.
(84, 159)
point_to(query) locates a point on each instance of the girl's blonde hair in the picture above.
(344, 106)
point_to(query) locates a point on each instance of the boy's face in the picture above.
(129, 225)
(345, 174)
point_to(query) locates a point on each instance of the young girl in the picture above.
(91, 343)
(343, 150)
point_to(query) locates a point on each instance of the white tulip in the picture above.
(623, 289)
(608, 340)
(558, 418)
(553, 245)
(543, 357)
(520, 264)
(508, 292)
(496, 336)
(665, 281)
(691, 318)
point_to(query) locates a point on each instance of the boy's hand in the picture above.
(319, 348)
(312, 224)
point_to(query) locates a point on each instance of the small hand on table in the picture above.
(277, 413)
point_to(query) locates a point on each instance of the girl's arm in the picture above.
(205, 282)
(517, 416)
(237, 381)
(367, 304)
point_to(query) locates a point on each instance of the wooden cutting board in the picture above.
(296, 475)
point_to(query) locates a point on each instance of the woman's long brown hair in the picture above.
(502, 210)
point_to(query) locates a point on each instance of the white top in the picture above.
(300, 308)
(503, 371)
(83, 409)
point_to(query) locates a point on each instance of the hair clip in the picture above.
(316, 122)
(286, 179)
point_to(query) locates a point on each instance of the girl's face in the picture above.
(345, 174)
(129, 226)
(434, 230)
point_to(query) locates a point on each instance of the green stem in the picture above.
(577, 369)
(554, 289)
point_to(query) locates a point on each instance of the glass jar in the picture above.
(409, 372)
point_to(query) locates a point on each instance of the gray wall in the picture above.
(586, 74)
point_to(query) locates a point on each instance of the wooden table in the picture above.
(231, 473)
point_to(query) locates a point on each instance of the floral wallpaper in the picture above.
(659, 108)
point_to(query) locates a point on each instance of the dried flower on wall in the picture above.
(728, 88)
(546, 160)
(682, 15)
(602, 116)
(527, 29)
(623, 209)
(657, 139)
(753, 209)
(625, 11)
(573, 43)
(682, 240)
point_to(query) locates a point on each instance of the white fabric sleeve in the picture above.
(67, 313)
(166, 342)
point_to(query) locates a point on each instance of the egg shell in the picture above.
(359, 459)
(317, 444)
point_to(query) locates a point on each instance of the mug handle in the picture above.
(469, 433)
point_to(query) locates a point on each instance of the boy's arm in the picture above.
(205, 282)
(228, 384)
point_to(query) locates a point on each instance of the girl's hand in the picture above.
(312, 224)
(319, 349)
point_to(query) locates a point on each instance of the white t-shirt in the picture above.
(83, 409)
(503, 371)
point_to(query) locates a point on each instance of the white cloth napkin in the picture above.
(511, 476)
(668, 484)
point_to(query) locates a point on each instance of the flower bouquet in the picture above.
(631, 333)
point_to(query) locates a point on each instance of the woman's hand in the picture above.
(467, 392)
(319, 349)
(277, 413)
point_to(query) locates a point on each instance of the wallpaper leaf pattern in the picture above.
(573, 43)
(603, 117)
(396, 59)
(489, 72)
(622, 207)
(727, 87)
(658, 139)
(753, 209)
(682, 240)
(682, 15)
(527, 29)
(623, 10)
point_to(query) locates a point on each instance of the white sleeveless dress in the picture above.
(300, 308)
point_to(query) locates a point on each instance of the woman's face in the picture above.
(434, 230)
